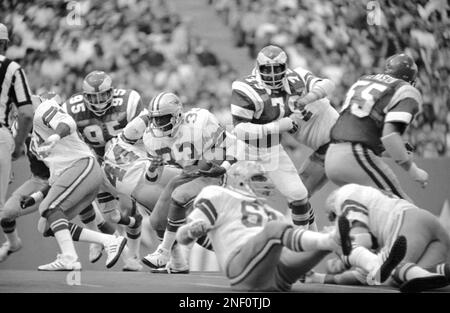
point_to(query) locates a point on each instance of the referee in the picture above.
(14, 91)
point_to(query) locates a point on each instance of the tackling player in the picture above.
(257, 248)
(376, 111)
(101, 112)
(378, 219)
(75, 177)
(262, 105)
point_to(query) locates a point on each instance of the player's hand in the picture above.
(155, 163)
(26, 201)
(296, 120)
(214, 171)
(198, 229)
(418, 174)
(19, 150)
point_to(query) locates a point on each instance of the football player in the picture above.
(75, 177)
(256, 246)
(378, 219)
(376, 111)
(195, 142)
(263, 106)
(101, 112)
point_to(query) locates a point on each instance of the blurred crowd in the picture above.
(148, 46)
(143, 45)
(345, 39)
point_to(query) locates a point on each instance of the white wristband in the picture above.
(37, 196)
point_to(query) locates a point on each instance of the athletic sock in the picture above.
(408, 271)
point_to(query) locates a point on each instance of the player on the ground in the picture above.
(376, 111)
(262, 105)
(75, 177)
(378, 218)
(101, 112)
(195, 142)
(256, 246)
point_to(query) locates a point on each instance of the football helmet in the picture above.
(401, 66)
(271, 66)
(165, 111)
(249, 178)
(98, 92)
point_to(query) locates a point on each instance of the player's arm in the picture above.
(134, 105)
(135, 129)
(202, 218)
(406, 104)
(156, 168)
(350, 277)
(244, 104)
(34, 198)
(317, 88)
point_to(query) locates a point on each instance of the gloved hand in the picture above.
(214, 171)
(418, 174)
(27, 201)
(198, 229)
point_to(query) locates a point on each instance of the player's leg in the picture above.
(347, 163)
(313, 174)
(182, 197)
(6, 149)
(284, 175)
(420, 228)
(71, 192)
(12, 211)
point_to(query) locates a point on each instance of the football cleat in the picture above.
(172, 268)
(95, 252)
(62, 263)
(6, 249)
(424, 283)
(389, 262)
(114, 249)
(157, 259)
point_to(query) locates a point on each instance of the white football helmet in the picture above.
(249, 178)
(271, 67)
(166, 113)
(98, 92)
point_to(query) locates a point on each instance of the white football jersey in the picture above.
(234, 218)
(315, 131)
(377, 209)
(198, 137)
(67, 150)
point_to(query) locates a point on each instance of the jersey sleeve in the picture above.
(245, 101)
(134, 105)
(136, 128)
(206, 205)
(308, 78)
(405, 103)
(52, 115)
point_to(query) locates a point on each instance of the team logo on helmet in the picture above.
(98, 92)
(271, 66)
(249, 178)
(401, 66)
(165, 111)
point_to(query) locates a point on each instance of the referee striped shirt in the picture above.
(14, 88)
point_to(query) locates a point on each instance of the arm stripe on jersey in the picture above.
(48, 115)
(403, 117)
(241, 112)
(125, 139)
(208, 209)
(250, 93)
(346, 208)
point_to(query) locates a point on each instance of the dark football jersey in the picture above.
(96, 130)
(372, 101)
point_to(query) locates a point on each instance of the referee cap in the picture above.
(3, 32)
